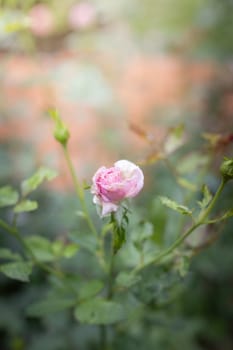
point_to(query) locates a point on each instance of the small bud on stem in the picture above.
(61, 132)
(227, 169)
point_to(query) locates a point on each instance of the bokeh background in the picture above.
(116, 71)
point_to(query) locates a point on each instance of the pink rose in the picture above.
(113, 185)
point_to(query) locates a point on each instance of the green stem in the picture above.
(103, 337)
(103, 328)
(179, 240)
(7, 227)
(78, 187)
(111, 277)
(79, 190)
(15, 233)
(100, 253)
(169, 250)
(80, 194)
(206, 213)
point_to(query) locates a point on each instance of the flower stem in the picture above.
(79, 190)
(179, 240)
(169, 250)
(78, 187)
(7, 227)
(206, 213)
(104, 345)
(80, 193)
(103, 337)
(15, 233)
(111, 275)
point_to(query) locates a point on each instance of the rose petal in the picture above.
(108, 208)
(126, 167)
(112, 185)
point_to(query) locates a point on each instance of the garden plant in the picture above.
(129, 267)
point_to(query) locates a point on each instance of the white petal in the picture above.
(108, 208)
(126, 167)
(96, 200)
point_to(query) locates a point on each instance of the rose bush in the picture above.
(123, 266)
(112, 185)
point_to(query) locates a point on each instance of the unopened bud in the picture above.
(61, 134)
(227, 169)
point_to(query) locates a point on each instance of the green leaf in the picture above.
(56, 247)
(175, 206)
(17, 270)
(207, 196)
(25, 205)
(89, 289)
(35, 180)
(126, 280)
(49, 306)
(8, 254)
(70, 250)
(41, 248)
(8, 196)
(100, 311)
(47, 251)
(85, 240)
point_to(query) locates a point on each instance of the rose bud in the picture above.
(227, 169)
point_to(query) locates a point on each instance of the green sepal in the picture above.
(119, 230)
